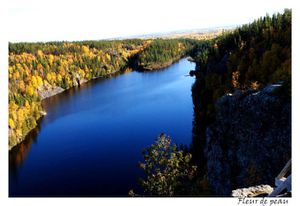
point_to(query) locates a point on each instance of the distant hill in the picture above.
(199, 34)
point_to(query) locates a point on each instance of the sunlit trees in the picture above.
(161, 52)
(168, 170)
(251, 56)
(85, 49)
(11, 123)
(38, 67)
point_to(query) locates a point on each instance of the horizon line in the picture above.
(143, 36)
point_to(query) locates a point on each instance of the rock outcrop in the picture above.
(260, 190)
(77, 80)
(249, 141)
(47, 90)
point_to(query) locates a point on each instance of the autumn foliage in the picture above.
(37, 68)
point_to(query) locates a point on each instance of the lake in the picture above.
(91, 140)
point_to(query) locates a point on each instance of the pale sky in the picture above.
(51, 20)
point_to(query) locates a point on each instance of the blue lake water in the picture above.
(90, 141)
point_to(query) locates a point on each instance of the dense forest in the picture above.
(231, 130)
(251, 56)
(242, 104)
(225, 145)
(40, 70)
(163, 52)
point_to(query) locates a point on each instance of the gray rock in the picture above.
(46, 91)
(249, 142)
(252, 191)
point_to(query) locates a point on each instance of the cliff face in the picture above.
(249, 141)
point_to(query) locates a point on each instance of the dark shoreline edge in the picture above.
(107, 76)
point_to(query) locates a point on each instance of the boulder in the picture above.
(260, 190)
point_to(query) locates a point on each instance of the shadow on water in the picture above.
(19, 153)
(111, 116)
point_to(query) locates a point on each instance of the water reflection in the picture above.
(91, 139)
(19, 153)
(52, 105)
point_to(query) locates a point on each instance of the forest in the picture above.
(246, 59)
(40, 70)
(237, 114)
(251, 56)
(163, 52)
(225, 150)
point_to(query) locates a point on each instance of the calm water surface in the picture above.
(90, 142)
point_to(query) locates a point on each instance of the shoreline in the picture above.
(57, 90)
(50, 93)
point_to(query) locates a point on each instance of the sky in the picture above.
(32, 20)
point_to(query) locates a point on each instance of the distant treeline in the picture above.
(162, 52)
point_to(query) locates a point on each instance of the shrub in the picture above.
(167, 169)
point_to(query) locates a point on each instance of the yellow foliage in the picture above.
(13, 115)
(10, 69)
(51, 58)
(235, 79)
(59, 78)
(19, 132)
(21, 86)
(85, 49)
(108, 57)
(27, 104)
(11, 123)
(39, 81)
(20, 115)
(53, 76)
(25, 78)
(16, 75)
(34, 82)
(13, 106)
(39, 67)
(62, 71)
(255, 85)
(49, 77)
(30, 90)
(40, 53)
(91, 54)
(19, 66)
(81, 73)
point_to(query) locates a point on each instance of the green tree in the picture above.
(167, 169)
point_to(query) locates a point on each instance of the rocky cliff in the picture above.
(249, 141)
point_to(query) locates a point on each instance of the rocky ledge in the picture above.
(48, 91)
(260, 190)
(249, 141)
